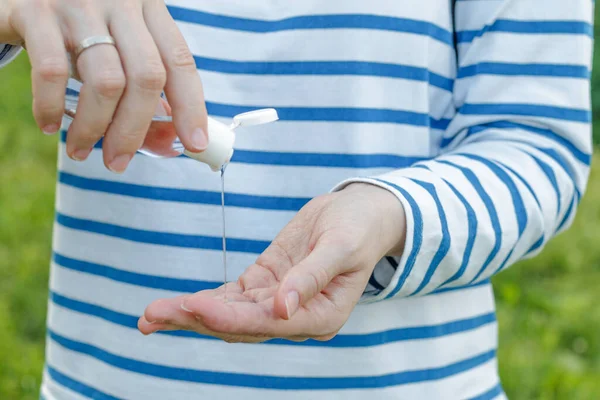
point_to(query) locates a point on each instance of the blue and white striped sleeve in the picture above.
(8, 52)
(516, 157)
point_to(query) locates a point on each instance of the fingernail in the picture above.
(199, 140)
(292, 300)
(50, 129)
(184, 308)
(81, 154)
(150, 322)
(120, 163)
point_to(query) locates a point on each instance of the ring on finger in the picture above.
(93, 41)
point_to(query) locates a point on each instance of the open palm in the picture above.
(305, 284)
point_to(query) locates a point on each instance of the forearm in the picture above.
(514, 162)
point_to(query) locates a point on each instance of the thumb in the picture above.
(307, 279)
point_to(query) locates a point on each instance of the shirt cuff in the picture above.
(8, 52)
(389, 271)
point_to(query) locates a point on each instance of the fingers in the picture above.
(146, 78)
(161, 135)
(49, 67)
(168, 315)
(101, 91)
(184, 88)
(307, 279)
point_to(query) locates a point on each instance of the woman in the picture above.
(439, 145)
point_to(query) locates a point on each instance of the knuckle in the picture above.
(152, 78)
(84, 136)
(319, 278)
(181, 58)
(47, 108)
(53, 69)
(110, 83)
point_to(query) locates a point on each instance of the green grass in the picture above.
(27, 173)
(547, 307)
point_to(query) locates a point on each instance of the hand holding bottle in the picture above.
(126, 53)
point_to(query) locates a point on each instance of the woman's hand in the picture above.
(121, 85)
(306, 283)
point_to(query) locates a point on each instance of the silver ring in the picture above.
(93, 41)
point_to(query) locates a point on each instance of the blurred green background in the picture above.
(548, 308)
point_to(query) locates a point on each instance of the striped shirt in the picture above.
(475, 114)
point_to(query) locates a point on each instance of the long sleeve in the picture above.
(516, 157)
(8, 52)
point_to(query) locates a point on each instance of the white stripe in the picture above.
(559, 92)
(334, 90)
(524, 49)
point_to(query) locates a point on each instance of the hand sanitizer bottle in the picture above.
(221, 137)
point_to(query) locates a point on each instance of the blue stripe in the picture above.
(162, 238)
(553, 154)
(511, 69)
(556, 156)
(183, 195)
(133, 278)
(524, 182)
(491, 209)
(271, 382)
(329, 114)
(586, 159)
(490, 394)
(417, 237)
(578, 154)
(540, 241)
(325, 160)
(529, 27)
(444, 243)
(529, 110)
(336, 114)
(145, 280)
(472, 224)
(551, 177)
(77, 386)
(536, 245)
(517, 200)
(311, 22)
(339, 341)
(356, 68)
(567, 214)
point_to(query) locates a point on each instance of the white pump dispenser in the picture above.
(221, 137)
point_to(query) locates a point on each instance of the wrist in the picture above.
(389, 221)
